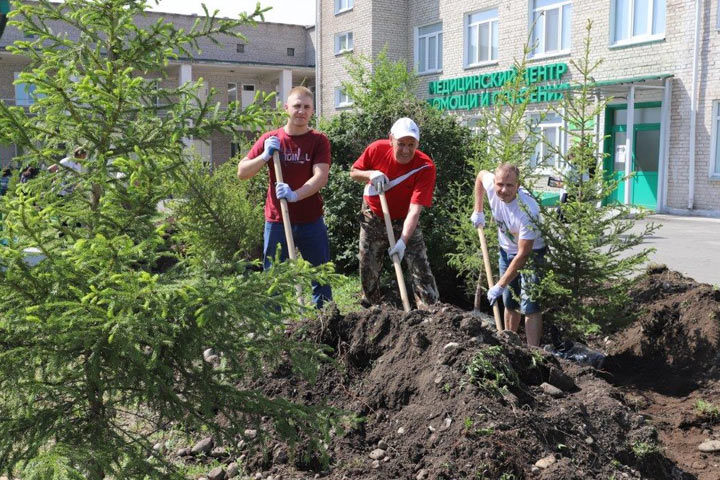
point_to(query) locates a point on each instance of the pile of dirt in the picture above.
(441, 394)
(667, 365)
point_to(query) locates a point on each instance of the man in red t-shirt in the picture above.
(305, 159)
(407, 177)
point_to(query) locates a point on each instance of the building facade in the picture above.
(660, 73)
(274, 58)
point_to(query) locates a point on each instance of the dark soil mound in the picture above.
(441, 394)
(678, 326)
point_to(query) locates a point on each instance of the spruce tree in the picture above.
(101, 342)
(589, 266)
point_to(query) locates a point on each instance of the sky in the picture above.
(300, 12)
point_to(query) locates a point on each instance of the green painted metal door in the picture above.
(644, 159)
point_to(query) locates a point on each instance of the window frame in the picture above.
(339, 93)
(534, 22)
(439, 49)
(229, 89)
(715, 141)
(635, 39)
(467, 26)
(340, 9)
(290, 51)
(540, 123)
(349, 40)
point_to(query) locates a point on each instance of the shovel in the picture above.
(395, 258)
(286, 219)
(488, 274)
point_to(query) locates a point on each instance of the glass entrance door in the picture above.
(644, 159)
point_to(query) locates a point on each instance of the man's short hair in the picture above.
(508, 167)
(300, 90)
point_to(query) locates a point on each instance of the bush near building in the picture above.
(381, 95)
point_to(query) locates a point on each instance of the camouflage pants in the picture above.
(373, 249)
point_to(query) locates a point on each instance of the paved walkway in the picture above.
(689, 245)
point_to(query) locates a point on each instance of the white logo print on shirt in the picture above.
(295, 157)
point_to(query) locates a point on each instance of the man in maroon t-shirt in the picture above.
(407, 177)
(305, 159)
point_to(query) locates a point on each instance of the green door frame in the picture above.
(610, 131)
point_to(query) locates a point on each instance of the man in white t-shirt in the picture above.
(516, 212)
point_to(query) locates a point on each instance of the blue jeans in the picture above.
(520, 285)
(312, 241)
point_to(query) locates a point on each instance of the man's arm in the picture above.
(480, 190)
(361, 176)
(248, 167)
(524, 249)
(318, 180)
(411, 221)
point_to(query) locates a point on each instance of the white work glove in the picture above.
(494, 293)
(378, 180)
(478, 219)
(398, 249)
(283, 190)
(272, 144)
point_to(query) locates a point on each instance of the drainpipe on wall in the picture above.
(318, 49)
(693, 111)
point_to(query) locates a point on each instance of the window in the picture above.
(637, 20)
(715, 150)
(240, 48)
(481, 37)
(232, 93)
(290, 52)
(24, 93)
(341, 98)
(343, 42)
(551, 26)
(428, 48)
(343, 6)
(549, 131)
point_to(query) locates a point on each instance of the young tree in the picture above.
(101, 342)
(589, 264)
(506, 136)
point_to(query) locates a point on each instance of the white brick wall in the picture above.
(672, 55)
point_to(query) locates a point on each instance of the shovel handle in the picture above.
(286, 221)
(284, 210)
(395, 258)
(489, 275)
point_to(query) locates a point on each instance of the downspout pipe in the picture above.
(318, 55)
(693, 111)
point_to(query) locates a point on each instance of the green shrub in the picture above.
(219, 214)
(381, 97)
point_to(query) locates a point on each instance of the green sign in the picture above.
(474, 91)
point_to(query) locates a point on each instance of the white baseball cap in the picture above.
(405, 127)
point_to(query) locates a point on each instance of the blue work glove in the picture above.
(283, 190)
(272, 144)
(494, 293)
(478, 219)
(378, 180)
(398, 249)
